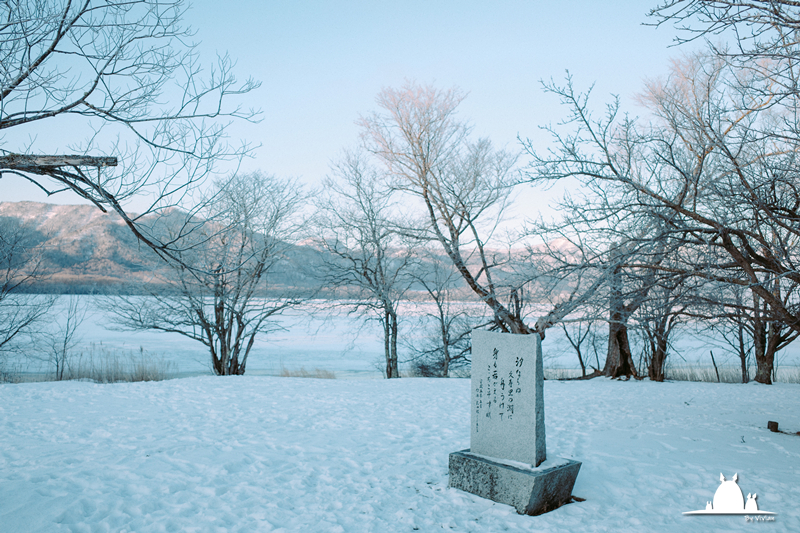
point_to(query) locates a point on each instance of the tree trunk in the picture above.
(445, 344)
(390, 343)
(743, 355)
(619, 361)
(658, 356)
(446, 363)
(386, 350)
(223, 357)
(765, 352)
(393, 330)
(764, 357)
(655, 370)
(216, 359)
(219, 323)
(764, 363)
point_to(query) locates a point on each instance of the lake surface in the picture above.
(331, 339)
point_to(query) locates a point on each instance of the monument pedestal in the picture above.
(507, 433)
(531, 491)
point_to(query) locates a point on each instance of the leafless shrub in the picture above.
(317, 373)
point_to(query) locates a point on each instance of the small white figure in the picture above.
(708, 506)
(751, 504)
(729, 497)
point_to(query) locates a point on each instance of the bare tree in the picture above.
(747, 326)
(446, 347)
(597, 261)
(20, 268)
(221, 292)
(577, 333)
(763, 42)
(62, 340)
(368, 258)
(769, 336)
(762, 28)
(723, 192)
(124, 69)
(732, 326)
(463, 186)
(658, 317)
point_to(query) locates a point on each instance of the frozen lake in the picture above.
(333, 340)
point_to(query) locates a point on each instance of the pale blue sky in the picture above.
(321, 63)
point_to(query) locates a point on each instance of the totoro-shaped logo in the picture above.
(729, 499)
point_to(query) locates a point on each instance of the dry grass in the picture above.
(727, 374)
(789, 374)
(461, 372)
(101, 365)
(317, 373)
(11, 373)
(562, 373)
(458, 372)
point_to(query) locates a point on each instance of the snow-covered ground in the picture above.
(288, 454)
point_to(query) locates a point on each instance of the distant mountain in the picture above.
(83, 248)
(86, 250)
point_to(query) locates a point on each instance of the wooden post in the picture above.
(715, 365)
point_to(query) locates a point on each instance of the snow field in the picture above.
(289, 454)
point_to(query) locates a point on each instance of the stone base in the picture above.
(531, 491)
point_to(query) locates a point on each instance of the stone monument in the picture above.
(506, 461)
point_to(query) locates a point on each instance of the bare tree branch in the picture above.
(153, 120)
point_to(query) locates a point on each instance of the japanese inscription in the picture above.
(503, 387)
(507, 397)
